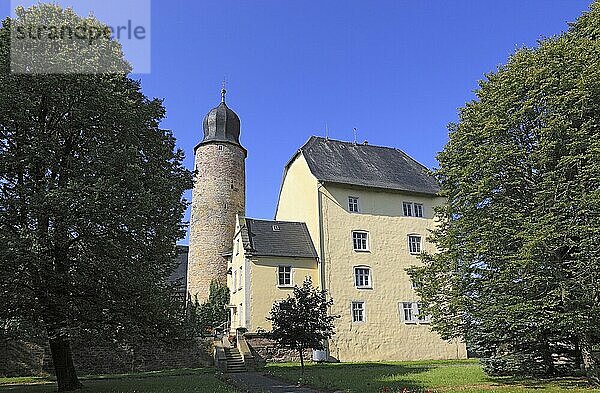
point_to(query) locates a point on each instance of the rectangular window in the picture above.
(240, 280)
(418, 209)
(414, 244)
(234, 281)
(360, 241)
(412, 209)
(408, 312)
(362, 277)
(407, 207)
(353, 204)
(284, 274)
(358, 311)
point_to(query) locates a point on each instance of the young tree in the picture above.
(90, 199)
(302, 321)
(213, 313)
(518, 270)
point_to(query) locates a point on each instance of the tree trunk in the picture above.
(302, 360)
(548, 360)
(589, 363)
(62, 358)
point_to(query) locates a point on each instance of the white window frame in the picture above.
(291, 276)
(366, 241)
(404, 307)
(240, 281)
(407, 209)
(413, 209)
(220, 147)
(420, 210)
(353, 204)
(415, 314)
(369, 278)
(420, 243)
(362, 308)
(234, 280)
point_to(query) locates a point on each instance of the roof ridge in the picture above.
(355, 144)
(266, 220)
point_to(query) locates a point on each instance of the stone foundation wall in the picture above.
(20, 358)
(266, 350)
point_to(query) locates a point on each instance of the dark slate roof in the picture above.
(291, 240)
(180, 273)
(221, 124)
(366, 165)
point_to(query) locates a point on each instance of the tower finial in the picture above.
(223, 91)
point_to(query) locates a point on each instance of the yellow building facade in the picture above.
(268, 259)
(368, 211)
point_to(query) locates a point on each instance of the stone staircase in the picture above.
(235, 362)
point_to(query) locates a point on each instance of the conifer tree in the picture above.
(518, 272)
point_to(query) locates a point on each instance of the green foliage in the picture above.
(213, 313)
(518, 272)
(90, 205)
(302, 321)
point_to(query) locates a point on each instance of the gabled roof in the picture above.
(278, 238)
(180, 272)
(366, 165)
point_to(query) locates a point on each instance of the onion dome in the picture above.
(221, 124)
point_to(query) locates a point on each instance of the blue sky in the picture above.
(396, 70)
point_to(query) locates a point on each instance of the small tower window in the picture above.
(220, 147)
(231, 184)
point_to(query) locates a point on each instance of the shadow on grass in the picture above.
(103, 382)
(353, 377)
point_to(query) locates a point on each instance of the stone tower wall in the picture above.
(219, 194)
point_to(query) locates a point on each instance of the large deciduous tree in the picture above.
(90, 200)
(303, 321)
(518, 268)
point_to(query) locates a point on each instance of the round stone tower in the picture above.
(219, 193)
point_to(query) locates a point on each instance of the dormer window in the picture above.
(275, 228)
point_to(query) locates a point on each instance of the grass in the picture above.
(436, 376)
(173, 381)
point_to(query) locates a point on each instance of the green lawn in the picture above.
(176, 381)
(438, 376)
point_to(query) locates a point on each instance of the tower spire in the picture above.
(223, 91)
